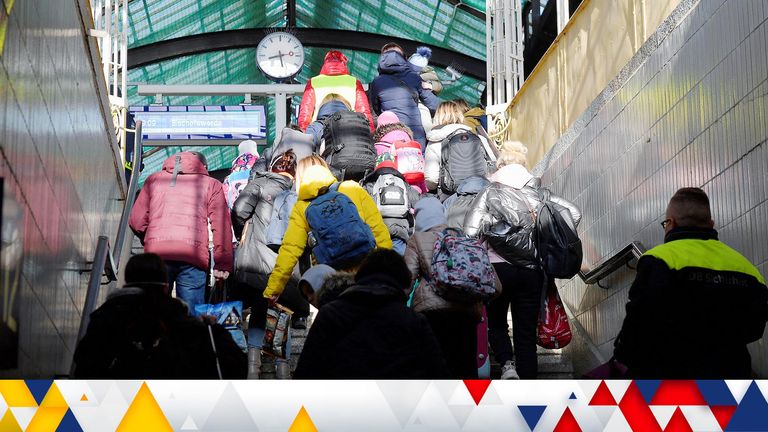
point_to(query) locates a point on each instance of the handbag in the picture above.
(553, 329)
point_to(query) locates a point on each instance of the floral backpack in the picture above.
(461, 269)
(236, 181)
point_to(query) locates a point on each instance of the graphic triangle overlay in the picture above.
(602, 396)
(532, 414)
(723, 414)
(678, 423)
(567, 423)
(648, 388)
(678, 392)
(38, 388)
(477, 389)
(69, 423)
(636, 411)
(9, 424)
(716, 392)
(751, 414)
(302, 422)
(144, 414)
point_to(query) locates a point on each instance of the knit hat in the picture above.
(421, 57)
(316, 275)
(429, 213)
(248, 146)
(385, 118)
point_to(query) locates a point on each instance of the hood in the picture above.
(244, 162)
(398, 131)
(316, 276)
(335, 63)
(473, 185)
(188, 164)
(391, 62)
(441, 132)
(248, 146)
(284, 181)
(376, 285)
(330, 108)
(429, 213)
(314, 179)
(475, 112)
(514, 175)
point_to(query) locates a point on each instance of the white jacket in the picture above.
(435, 138)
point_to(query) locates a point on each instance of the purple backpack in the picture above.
(461, 270)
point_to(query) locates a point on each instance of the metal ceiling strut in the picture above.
(321, 38)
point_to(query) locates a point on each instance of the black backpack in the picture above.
(462, 155)
(558, 244)
(349, 147)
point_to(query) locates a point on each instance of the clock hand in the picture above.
(281, 59)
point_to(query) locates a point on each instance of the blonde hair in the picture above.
(336, 97)
(512, 152)
(462, 104)
(447, 113)
(304, 164)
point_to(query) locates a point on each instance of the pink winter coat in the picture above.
(172, 219)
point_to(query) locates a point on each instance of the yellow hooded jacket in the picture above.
(313, 180)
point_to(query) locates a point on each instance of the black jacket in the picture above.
(139, 335)
(254, 259)
(401, 228)
(369, 333)
(694, 306)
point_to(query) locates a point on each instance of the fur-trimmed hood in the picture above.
(383, 130)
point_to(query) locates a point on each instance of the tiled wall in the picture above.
(691, 109)
(59, 166)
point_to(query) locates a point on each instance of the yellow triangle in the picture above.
(9, 423)
(17, 394)
(144, 414)
(302, 422)
(54, 399)
(84, 398)
(46, 419)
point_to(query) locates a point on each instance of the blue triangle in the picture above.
(532, 414)
(716, 392)
(648, 388)
(751, 414)
(573, 396)
(69, 423)
(38, 388)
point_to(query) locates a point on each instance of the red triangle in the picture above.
(678, 423)
(567, 423)
(723, 414)
(603, 396)
(477, 388)
(639, 416)
(674, 392)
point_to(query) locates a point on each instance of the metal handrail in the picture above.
(612, 263)
(106, 261)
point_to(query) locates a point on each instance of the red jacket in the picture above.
(172, 219)
(335, 65)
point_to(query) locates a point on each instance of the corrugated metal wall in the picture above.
(62, 188)
(691, 109)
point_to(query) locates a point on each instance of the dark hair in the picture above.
(690, 208)
(391, 46)
(145, 268)
(386, 262)
(332, 288)
(286, 163)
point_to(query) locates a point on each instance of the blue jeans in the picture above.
(190, 282)
(398, 245)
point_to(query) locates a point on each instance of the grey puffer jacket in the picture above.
(418, 257)
(504, 215)
(255, 260)
(458, 205)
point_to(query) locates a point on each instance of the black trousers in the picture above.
(522, 290)
(456, 334)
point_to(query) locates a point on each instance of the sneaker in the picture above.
(299, 323)
(508, 371)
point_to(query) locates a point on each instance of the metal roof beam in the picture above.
(322, 38)
(468, 9)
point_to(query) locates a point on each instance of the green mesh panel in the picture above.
(156, 20)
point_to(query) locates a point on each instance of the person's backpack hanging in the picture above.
(462, 155)
(349, 146)
(409, 159)
(553, 329)
(390, 193)
(282, 206)
(339, 235)
(461, 269)
(557, 241)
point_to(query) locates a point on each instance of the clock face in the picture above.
(280, 55)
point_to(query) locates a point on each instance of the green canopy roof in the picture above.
(437, 22)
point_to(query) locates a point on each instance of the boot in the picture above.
(254, 363)
(282, 369)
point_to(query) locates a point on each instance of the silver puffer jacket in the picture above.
(504, 215)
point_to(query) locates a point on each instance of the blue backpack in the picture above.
(338, 233)
(282, 206)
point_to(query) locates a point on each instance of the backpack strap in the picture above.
(414, 94)
(176, 169)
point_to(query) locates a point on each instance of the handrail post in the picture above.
(122, 228)
(94, 286)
